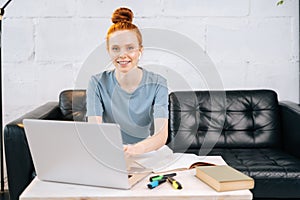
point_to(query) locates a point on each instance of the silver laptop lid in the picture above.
(77, 152)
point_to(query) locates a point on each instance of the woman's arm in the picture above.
(95, 119)
(157, 140)
(160, 114)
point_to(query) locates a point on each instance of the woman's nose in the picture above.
(123, 54)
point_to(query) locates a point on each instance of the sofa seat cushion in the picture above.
(274, 171)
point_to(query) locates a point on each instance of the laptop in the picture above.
(81, 153)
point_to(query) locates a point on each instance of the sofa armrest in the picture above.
(20, 169)
(290, 124)
(48, 110)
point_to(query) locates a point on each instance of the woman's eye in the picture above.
(130, 48)
(115, 48)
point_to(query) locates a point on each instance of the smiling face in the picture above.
(124, 50)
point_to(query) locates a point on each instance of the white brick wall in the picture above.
(252, 43)
(41, 8)
(68, 39)
(206, 8)
(21, 31)
(45, 40)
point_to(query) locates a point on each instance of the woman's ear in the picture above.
(141, 51)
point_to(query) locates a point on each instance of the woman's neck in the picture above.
(129, 81)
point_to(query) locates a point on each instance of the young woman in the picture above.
(129, 95)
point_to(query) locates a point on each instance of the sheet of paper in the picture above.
(156, 159)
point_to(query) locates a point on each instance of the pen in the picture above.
(175, 184)
(160, 177)
(154, 184)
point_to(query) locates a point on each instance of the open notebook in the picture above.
(164, 160)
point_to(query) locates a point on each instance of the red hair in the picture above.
(122, 19)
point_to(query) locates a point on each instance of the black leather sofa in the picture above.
(251, 130)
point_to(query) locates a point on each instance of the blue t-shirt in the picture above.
(134, 112)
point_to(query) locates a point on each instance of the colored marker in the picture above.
(154, 184)
(175, 184)
(160, 177)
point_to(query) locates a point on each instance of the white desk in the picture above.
(193, 188)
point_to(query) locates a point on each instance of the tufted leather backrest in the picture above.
(223, 119)
(72, 104)
(206, 119)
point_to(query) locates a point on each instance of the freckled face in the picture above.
(124, 50)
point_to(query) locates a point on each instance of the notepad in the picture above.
(224, 178)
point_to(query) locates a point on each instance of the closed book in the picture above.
(224, 178)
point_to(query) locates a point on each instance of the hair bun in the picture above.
(122, 15)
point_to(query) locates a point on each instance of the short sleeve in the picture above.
(93, 98)
(160, 106)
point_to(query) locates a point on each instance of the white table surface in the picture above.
(193, 188)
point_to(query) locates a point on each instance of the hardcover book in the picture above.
(224, 178)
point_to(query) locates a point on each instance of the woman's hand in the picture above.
(152, 143)
(132, 150)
